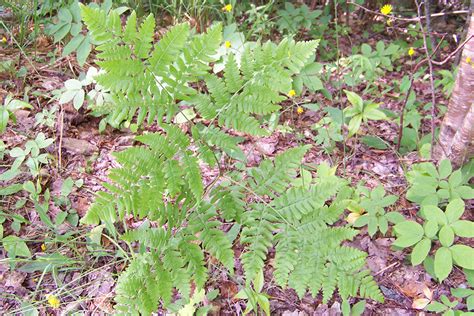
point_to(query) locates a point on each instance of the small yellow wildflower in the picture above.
(299, 110)
(43, 247)
(53, 300)
(227, 7)
(228, 44)
(411, 51)
(389, 22)
(468, 60)
(291, 93)
(386, 9)
(4, 40)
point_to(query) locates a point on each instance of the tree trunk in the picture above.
(456, 138)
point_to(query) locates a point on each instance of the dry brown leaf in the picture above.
(420, 303)
(428, 293)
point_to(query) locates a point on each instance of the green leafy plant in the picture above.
(67, 213)
(292, 19)
(309, 77)
(447, 80)
(75, 90)
(160, 181)
(234, 43)
(31, 156)
(46, 117)
(443, 227)
(447, 307)
(69, 25)
(294, 213)
(234, 101)
(374, 203)
(7, 111)
(431, 185)
(360, 111)
(369, 64)
(15, 247)
(40, 201)
(258, 24)
(254, 297)
(355, 310)
(329, 132)
(467, 294)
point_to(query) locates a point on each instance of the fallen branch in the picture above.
(409, 19)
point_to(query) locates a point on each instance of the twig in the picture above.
(386, 268)
(61, 128)
(430, 67)
(409, 19)
(434, 62)
(440, 63)
(412, 77)
(429, 30)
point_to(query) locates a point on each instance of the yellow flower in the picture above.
(43, 247)
(227, 7)
(389, 22)
(53, 301)
(468, 60)
(411, 52)
(386, 9)
(299, 110)
(228, 44)
(4, 40)
(291, 93)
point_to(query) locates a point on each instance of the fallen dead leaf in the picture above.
(420, 303)
(228, 289)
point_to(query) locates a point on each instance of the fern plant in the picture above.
(182, 226)
(150, 80)
(159, 181)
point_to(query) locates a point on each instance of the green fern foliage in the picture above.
(156, 183)
(146, 79)
(149, 80)
(309, 255)
(159, 181)
(246, 93)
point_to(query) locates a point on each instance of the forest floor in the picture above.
(81, 152)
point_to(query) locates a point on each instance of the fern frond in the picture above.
(144, 37)
(192, 173)
(213, 239)
(276, 176)
(232, 77)
(168, 48)
(257, 236)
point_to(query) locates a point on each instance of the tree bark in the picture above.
(456, 138)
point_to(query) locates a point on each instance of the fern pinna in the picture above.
(159, 182)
